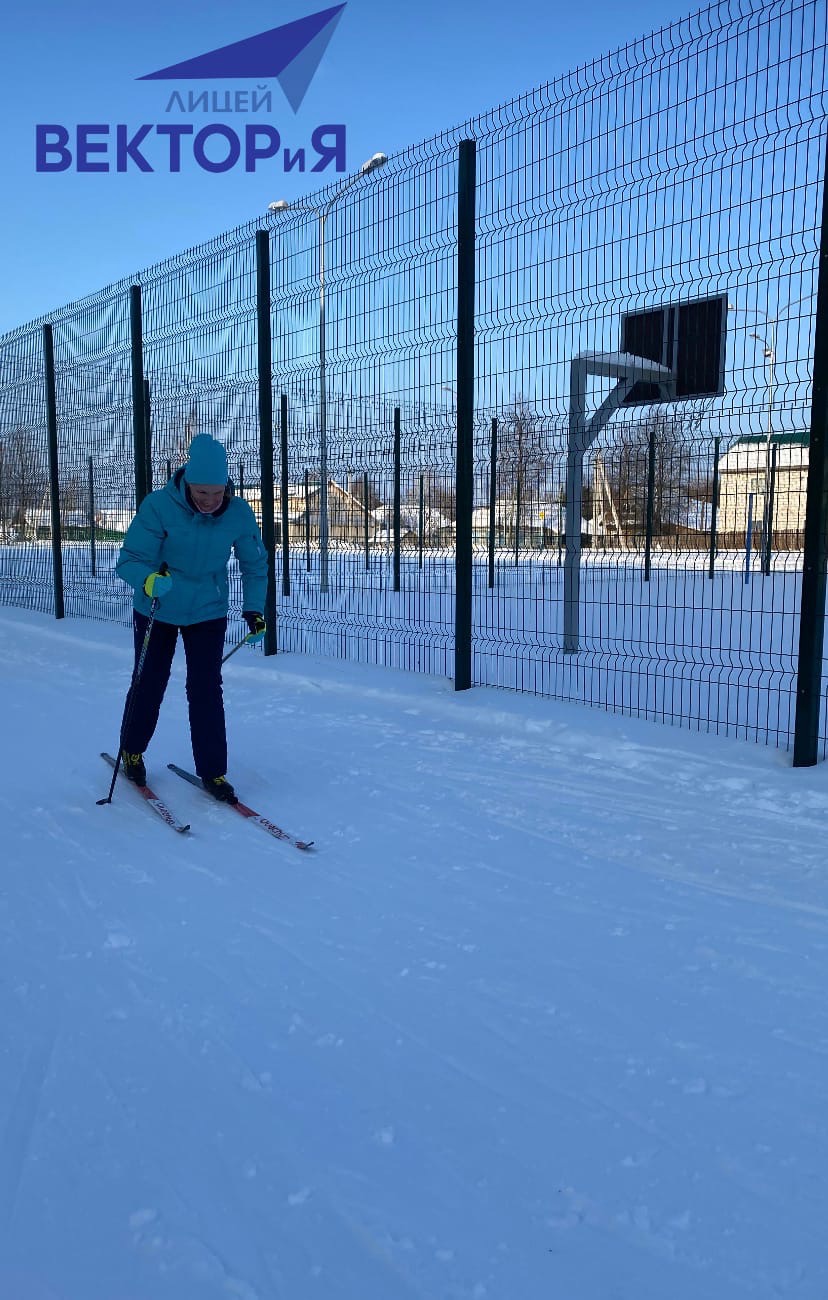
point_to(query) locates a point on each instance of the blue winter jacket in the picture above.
(196, 548)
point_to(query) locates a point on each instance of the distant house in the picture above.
(540, 523)
(743, 475)
(691, 518)
(39, 522)
(346, 514)
(438, 529)
(680, 520)
(114, 519)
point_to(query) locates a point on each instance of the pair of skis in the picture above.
(160, 808)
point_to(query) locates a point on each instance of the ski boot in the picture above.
(220, 788)
(133, 765)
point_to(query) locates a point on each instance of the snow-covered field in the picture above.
(543, 1017)
(716, 654)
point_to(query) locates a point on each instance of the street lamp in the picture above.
(376, 160)
(451, 389)
(769, 353)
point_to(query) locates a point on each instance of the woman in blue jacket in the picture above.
(191, 526)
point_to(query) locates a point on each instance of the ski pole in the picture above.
(136, 677)
(236, 647)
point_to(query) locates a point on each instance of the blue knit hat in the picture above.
(208, 461)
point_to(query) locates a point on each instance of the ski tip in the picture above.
(304, 844)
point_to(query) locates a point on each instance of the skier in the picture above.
(189, 528)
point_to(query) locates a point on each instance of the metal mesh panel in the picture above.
(676, 179)
(25, 548)
(390, 321)
(199, 335)
(688, 165)
(95, 457)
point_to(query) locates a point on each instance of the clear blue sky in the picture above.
(393, 74)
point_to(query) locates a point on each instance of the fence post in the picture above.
(466, 178)
(492, 502)
(812, 616)
(92, 559)
(648, 534)
(768, 538)
(365, 504)
(578, 441)
(397, 474)
(283, 450)
(748, 537)
(241, 481)
(263, 334)
(139, 422)
(148, 435)
(307, 524)
(714, 507)
(421, 517)
(54, 480)
(169, 469)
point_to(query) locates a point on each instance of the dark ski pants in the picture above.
(203, 648)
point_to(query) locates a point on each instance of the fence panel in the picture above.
(94, 409)
(372, 265)
(26, 577)
(687, 166)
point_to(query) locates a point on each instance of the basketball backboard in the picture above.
(688, 338)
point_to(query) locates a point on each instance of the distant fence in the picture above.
(469, 399)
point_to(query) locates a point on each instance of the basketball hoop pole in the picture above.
(628, 370)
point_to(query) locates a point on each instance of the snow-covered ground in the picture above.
(543, 1017)
(680, 647)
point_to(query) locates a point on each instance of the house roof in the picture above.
(799, 438)
(750, 453)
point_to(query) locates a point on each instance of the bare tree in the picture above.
(521, 457)
(626, 474)
(441, 494)
(73, 497)
(356, 487)
(23, 478)
(439, 507)
(522, 466)
(184, 436)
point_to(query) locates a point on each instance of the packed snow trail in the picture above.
(543, 1016)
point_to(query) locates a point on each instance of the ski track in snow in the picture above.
(543, 1015)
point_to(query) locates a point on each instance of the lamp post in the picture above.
(375, 161)
(769, 353)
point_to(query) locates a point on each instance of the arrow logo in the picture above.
(290, 53)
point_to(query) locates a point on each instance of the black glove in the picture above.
(256, 624)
